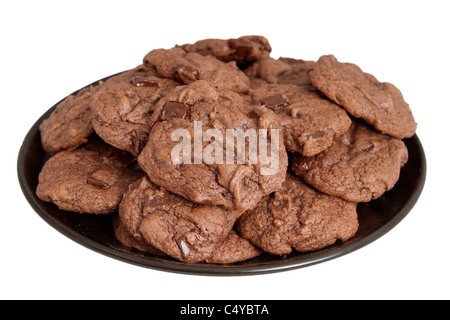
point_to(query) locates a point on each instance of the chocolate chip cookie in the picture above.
(189, 67)
(70, 124)
(205, 175)
(298, 217)
(310, 122)
(87, 180)
(282, 71)
(360, 167)
(243, 50)
(173, 225)
(381, 104)
(122, 109)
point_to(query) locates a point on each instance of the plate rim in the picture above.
(162, 264)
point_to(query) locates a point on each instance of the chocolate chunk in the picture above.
(140, 81)
(369, 148)
(150, 66)
(98, 183)
(183, 245)
(303, 164)
(138, 140)
(256, 113)
(242, 47)
(318, 134)
(186, 74)
(157, 200)
(173, 109)
(274, 102)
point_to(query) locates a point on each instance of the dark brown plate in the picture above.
(376, 218)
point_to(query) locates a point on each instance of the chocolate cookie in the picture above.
(297, 216)
(381, 104)
(282, 71)
(360, 167)
(87, 180)
(243, 50)
(310, 122)
(173, 225)
(204, 175)
(188, 67)
(70, 124)
(232, 249)
(122, 109)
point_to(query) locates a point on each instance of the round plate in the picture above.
(376, 218)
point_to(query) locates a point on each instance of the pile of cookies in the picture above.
(339, 144)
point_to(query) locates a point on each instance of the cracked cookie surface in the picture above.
(298, 217)
(380, 104)
(173, 225)
(310, 122)
(70, 124)
(122, 108)
(188, 67)
(237, 185)
(242, 50)
(360, 167)
(87, 180)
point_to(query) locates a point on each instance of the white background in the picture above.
(51, 48)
